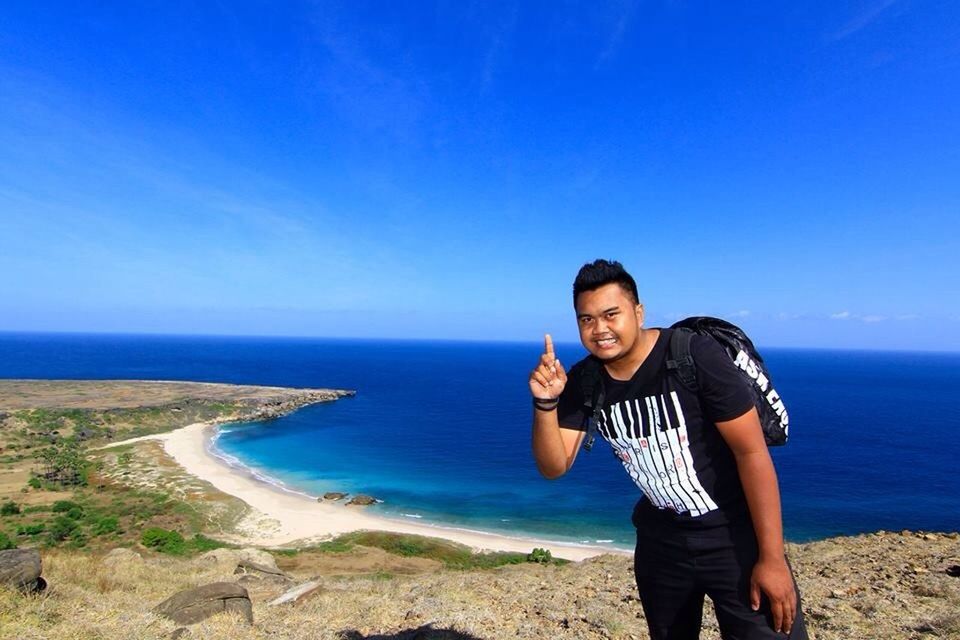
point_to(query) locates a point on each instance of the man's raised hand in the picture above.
(549, 378)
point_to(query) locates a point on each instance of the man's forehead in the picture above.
(602, 298)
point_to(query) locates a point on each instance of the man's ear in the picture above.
(640, 315)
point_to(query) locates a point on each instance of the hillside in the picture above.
(884, 585)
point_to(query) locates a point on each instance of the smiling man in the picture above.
(708, 522)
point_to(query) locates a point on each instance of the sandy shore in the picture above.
(285, 517)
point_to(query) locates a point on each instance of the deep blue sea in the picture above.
(440, 430)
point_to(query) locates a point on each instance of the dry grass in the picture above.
(845, 596)
(88, 601)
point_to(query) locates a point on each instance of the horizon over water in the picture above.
(440, 429)
(575, 344)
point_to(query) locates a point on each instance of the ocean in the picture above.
(440, 430)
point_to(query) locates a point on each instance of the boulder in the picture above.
(362, 500)
(20, 569)
(198, 604)
(222, 558)
(245, 567)
(229, 559)
(333, 495)
(121, 556)
(259, 557)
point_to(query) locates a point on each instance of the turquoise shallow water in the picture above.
(440, 431)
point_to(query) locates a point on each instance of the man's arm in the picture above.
(554, 447)
(771, 574)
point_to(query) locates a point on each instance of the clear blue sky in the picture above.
(418, 170)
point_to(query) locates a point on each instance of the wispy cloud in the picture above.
(499, 41)
(743, 313)
(862, 20)
(908, 316)
(870, 318)
(615, 37)
(381, 94)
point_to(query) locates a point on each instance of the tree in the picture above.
(64, 463)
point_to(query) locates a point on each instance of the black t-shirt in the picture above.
(666, 437)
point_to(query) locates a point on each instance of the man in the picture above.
(709, 519)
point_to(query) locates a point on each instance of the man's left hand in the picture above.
(774, 579)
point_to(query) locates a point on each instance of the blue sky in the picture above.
(418, 170)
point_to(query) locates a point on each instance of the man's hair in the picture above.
(598, 273)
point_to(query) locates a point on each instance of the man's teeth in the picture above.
(606, 341)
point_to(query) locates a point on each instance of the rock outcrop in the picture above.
(20, 569)
(195, 605)
(229, 559)
(120, 557)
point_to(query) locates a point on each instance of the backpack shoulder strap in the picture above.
(680, 360)
(591, 386)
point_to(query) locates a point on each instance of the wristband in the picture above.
(546, 404)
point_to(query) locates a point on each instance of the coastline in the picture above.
(283, 516)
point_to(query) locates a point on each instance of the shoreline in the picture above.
(283, 516)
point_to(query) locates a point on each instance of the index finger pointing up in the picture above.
(548, 344)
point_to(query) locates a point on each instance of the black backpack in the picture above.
(773, 414)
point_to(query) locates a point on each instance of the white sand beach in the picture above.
(283, 517)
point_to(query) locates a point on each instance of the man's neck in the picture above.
(624, 368)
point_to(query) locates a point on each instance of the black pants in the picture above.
(676, 568)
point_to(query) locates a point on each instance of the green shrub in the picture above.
(9, 508)
(75, 514)
(34, 482)
(36, 508)
(164, 541)
(78, 539)
(490, 560)
(540, 556)
(201, 542)
(6, 542)
(336, 545)
(31, 529)
(62, 506)
(105, 525)
(61, 528)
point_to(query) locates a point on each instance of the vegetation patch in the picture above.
(452, 555)
(6, 542)
(173, 543)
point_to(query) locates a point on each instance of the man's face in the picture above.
(609, 321)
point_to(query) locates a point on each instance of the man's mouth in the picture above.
(605, 342)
